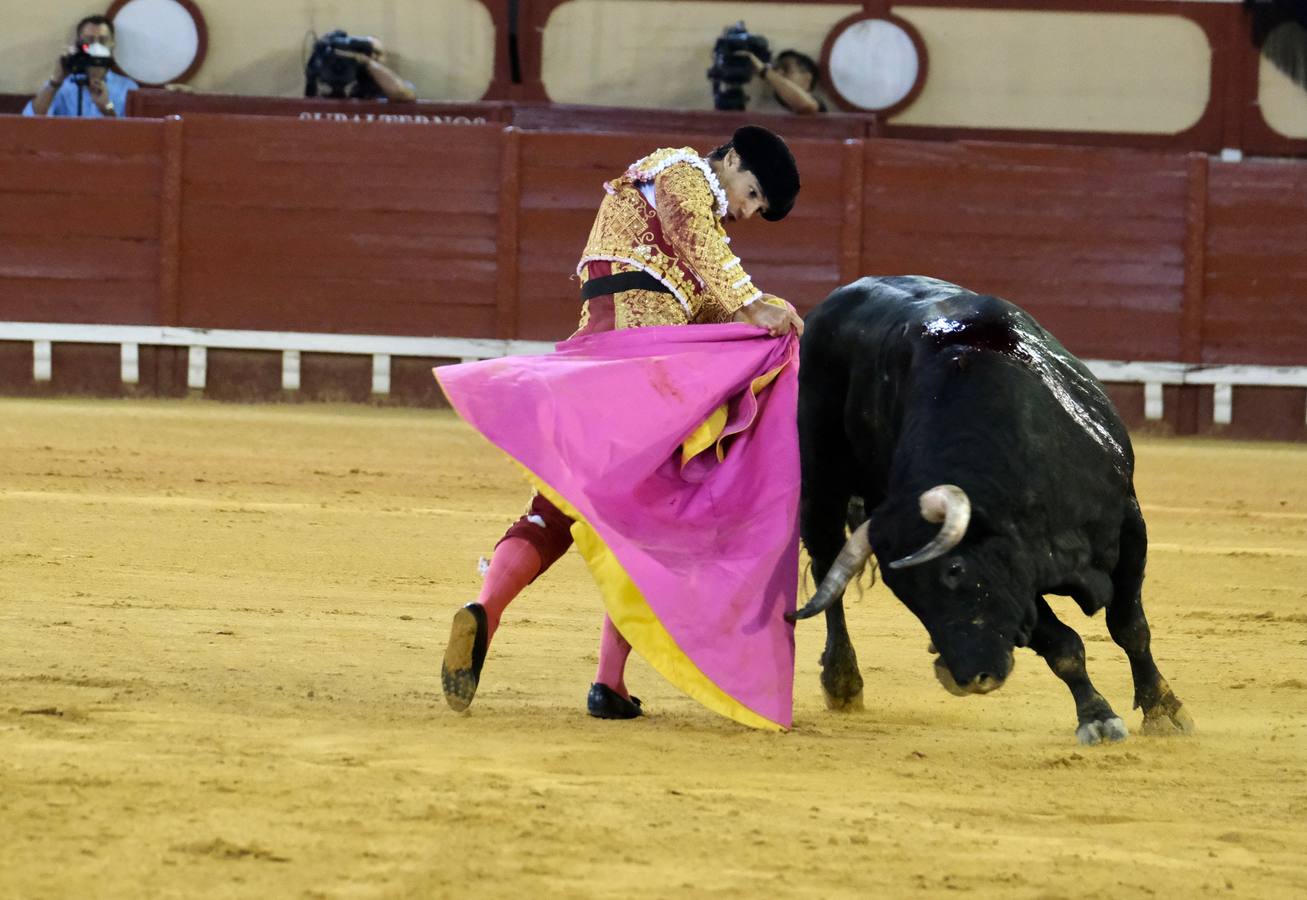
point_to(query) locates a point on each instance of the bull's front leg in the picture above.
(822, 525)
(1064, 652)
(1163, 711)
(841, 682)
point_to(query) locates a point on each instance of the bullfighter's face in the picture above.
(977, 603)
(744, 196)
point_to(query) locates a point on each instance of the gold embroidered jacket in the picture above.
(664, 216)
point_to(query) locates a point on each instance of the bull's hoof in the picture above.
(842, 704)
(1102, 731)
(1163, 721)
(841, 682)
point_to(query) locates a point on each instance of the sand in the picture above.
(220, 632)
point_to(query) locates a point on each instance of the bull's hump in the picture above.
(910, 288)
(991, 325)
(976, 321)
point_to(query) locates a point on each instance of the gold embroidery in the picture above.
(695, 254)
(642, 309)
(685, 204)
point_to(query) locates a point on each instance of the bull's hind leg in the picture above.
(1163, 711)
(1064, 652)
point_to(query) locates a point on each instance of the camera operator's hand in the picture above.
(791, 95)
(378, 53)
(758, 65)
(361, 58)
(61, 66)
(772, 313)
(395, 88)
(45, 94)
(98, 91)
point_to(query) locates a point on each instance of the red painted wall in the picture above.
(79, 221)
(337, 227)
(474, 231)
(1255, 279)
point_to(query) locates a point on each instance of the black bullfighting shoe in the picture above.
(464, 656)
(605, 703)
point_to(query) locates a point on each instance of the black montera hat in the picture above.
(766, 156)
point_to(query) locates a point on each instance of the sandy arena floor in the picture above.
(220, 630)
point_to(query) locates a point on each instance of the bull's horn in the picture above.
(945, 503)
(851, 559)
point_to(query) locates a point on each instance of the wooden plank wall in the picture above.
(1255, 290)
(336, 227)
(1091, 241)
(474, 230)
(80, 221)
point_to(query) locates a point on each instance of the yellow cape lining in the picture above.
(637, 622)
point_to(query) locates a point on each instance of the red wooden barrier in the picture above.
(13, 104)
(1091, 241)
(80, 220)
(599, 119)
(281, 225)
(156, 104)
(328, 226)
(1256, 270)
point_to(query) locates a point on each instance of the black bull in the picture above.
(992, 468)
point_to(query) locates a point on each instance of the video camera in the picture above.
(86, 57)
(730, 73)
(328, 64)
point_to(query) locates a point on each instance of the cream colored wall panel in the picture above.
(32, 35)
(1284, 104)
(656, 54)
(1138, 73)
(445, 47)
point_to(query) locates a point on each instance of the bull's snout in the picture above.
(971, 682)
(983, 684)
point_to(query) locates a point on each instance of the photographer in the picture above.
(343, 67)
(792, 80)
(83, 83)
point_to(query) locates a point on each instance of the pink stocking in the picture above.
(613, 651)
(514, 564)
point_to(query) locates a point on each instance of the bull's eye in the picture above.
(954, 572)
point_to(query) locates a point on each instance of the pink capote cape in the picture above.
(676, 449)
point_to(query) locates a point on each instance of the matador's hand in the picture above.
(772, 313)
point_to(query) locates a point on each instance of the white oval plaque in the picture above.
(157, 40)
(873, 64)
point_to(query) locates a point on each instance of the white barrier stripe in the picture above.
(1152, 400)
(197, 364)
(1223, 404)
(1135, 372)
(1260, 376)
(43, 335)
(131, 363)
(290, 370)
(308, 342)
(42, 362)
(380, 373)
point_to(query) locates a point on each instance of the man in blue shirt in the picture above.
(103, 93)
